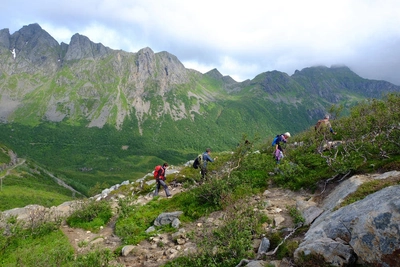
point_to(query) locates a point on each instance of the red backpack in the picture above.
(157, 171)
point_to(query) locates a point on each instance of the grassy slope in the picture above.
(303, 167)
(84, 157)
(27, 184)
(52, 249)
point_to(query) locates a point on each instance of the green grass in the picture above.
(48, 248)
(4, 157)
(16, 197)
(27, 184)
(368, 188)
(136, 219)
(52, 249)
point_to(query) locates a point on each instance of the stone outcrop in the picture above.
(366, 232)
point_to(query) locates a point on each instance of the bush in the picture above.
(90, 215)
(368, 136)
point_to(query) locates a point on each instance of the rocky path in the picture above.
(164, 247)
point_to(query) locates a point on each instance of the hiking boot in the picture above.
(170, 196)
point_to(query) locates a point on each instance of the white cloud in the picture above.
(61, 34)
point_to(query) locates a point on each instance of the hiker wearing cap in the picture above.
(324, 124)
(160, 179)
(282, 138)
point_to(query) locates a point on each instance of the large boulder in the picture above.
(368, 229)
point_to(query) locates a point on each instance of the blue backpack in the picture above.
(275, 140)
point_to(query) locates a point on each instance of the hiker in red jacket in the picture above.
(160, 179)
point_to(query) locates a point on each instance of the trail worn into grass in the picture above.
(163, 247)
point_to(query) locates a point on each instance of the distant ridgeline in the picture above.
(88, 111)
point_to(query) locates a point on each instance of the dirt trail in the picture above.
(149, 253)
(20, 162)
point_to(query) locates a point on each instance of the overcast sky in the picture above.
(240, 38)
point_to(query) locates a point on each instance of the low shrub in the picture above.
(90, 215)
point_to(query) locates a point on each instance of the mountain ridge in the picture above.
(150, 102)
(92, 82)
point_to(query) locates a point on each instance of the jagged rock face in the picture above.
(4, 40)
(33, 48)
(81, 47)
(109, 84)
(84, 82)
(162, 67)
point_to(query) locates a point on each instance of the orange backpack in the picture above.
(157, 171)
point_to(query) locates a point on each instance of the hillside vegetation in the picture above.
(25, 182)
(367, 141)
(96, 116)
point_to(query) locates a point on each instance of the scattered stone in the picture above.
(150, 229)
(264, 246)
(126, 250)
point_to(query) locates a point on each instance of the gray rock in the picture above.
(386, 175)
(369, 228)
(151, 182)
(179, 237)
(150, 229)
(264, 246)
(309, 210)
(126, 250)
(175, 223)
(125, 182)
(167, 218)
(256, 264)
(333, 252)
(81, 47)
(339, 193)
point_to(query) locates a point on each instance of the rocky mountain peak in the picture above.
(4, 39)
(81, 47)
(162, 66)
(33, 41)
(145, 61)
(215, 74)
(29, 50)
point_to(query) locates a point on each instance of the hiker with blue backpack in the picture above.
(280, 138)
(206, 158)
